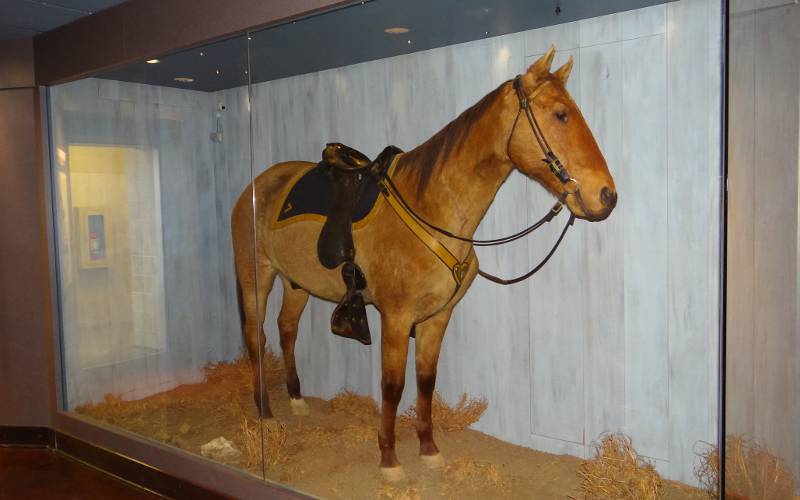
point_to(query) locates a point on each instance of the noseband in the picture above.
(571, 188)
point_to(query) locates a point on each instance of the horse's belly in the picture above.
(294, 255)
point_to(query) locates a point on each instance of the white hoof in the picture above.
(393, 474)
(432, 461)
(299, 407)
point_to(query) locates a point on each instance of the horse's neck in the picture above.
(465, 184)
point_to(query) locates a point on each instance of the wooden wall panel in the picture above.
(644, 180)
(741, 211)
(692, 207)
(775, 200)
(763, 337)
(603, 277)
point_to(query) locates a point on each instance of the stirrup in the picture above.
(349, 319)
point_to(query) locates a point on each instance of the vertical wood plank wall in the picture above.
(763, 328)
(619, 331)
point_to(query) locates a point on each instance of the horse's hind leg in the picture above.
(294, 301)
(428, 343)
(254, 306)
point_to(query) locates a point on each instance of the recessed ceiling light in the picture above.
(217, 71)
(202, 53)
(396, 30)
(153, 61)
(183, 79)
(408, 42)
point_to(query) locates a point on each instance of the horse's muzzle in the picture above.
(608, 198)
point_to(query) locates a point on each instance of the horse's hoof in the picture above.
(393, 474)
(432, 461)
(299, 407)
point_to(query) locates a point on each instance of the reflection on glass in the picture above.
(762, 452)
(149, 304)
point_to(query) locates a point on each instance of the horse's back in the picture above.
(269, 186)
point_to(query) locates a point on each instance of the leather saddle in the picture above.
(351, 174)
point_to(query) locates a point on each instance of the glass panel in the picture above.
(763, 339)
(612, 346)
(600, 370)
(147, 177)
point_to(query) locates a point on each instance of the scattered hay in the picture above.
(363, 407)
(618, 472)
(274, 441)
(318, 437)
(447, 418)
(394, 493)
(467, 470)
(239, 371)
(750, 471)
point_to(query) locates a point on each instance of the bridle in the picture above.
(571, 188)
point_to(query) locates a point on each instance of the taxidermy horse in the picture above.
(450, 181)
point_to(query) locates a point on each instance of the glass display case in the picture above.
(249, 272)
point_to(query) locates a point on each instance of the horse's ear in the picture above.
(542, 66)
(563, 72)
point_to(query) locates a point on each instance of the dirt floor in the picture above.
(333, 452)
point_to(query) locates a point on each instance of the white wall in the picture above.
(619, 332)
(763, 327)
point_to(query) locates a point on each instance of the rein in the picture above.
(459, 269)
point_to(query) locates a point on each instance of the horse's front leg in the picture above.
(428, 343)
(395, 332)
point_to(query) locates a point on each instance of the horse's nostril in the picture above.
(608, 198)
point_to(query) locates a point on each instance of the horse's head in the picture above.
(585, 185)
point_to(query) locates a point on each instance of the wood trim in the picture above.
(173, 462)
(25, 435)
(125, 467)
(143, 29)
(130, 470)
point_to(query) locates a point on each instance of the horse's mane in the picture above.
(429, 156)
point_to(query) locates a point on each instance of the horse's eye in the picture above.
(562, 116)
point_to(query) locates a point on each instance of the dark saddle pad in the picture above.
(313, 194)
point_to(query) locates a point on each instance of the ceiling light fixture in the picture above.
(396, 30)
(183, 79)
(153, 61)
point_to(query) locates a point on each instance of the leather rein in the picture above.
(459, 269)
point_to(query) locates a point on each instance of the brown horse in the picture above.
(450, 180)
